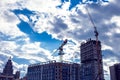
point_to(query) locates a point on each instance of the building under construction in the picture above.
(53, 70)
(91, 61)
(91, 67)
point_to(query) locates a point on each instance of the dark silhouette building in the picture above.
(17, 75)
(115, 72)
(8, 69)
(7, 73)
(53, 70)
(89, 60)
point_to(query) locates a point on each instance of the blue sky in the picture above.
(30, 31)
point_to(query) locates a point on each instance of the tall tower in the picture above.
(91, 69)
(8, 69)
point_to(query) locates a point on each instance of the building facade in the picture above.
(89, 61)
(53, 70)
(115, 72)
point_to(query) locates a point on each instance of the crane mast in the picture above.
(98, 76)
(61, 53)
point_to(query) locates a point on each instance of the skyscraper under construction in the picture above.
(91, 61)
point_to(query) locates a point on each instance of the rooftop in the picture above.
(51, 62)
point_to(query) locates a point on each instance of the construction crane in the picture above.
(60, 49)
(98, 76)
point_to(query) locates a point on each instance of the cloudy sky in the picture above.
(31, 30)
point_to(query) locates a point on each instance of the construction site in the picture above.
(53, 70)
(90, 67)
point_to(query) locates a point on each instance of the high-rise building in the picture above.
(89, 61)
(115, 72)
(53, 70)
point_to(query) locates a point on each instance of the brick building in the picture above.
(53, 70)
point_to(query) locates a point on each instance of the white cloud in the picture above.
(8, 2)
(31, 48)
(28, 51)
(112, 1)
(9, 23)
(115, 20)
(106, 47)
(8, 48)
(41, 6)
(33, 51)
(23, 17)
